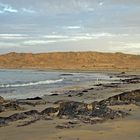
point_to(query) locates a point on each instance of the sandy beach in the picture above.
(121, 121)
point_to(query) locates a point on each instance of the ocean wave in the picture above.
(31, 83)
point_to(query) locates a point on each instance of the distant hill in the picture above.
(71, 61)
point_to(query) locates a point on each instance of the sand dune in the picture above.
(71, 60)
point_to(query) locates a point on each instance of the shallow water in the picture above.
(21, 84)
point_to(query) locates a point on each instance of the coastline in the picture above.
(109, 71)
(126, 127)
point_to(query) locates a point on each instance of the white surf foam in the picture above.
(31, 83)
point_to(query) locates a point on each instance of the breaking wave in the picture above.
(31, 83)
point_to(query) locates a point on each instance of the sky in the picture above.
(70, 25)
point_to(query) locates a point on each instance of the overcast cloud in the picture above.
(74, 25)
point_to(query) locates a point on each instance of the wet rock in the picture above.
(75, 109)
(102, 111)
(91, 89)
(2, 108)
(31, 113)
(12, 106)
(72, 109)
(122, 72)
(80, 94)
(88, 113)
(69, 95)
(85, 90)
(20, 116)
(36, 98)
(3, 122)
(31, 102)
(1, 100)
(9, 105)
(132, 97)
(98, 85)
(112, 85)
(55, 94)
(131, 80)
(50, 111)
(65, 74)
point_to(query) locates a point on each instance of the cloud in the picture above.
(100, 41)
(101, 3)
(133, 45)
(38, 42)
(30, 11)
(13, 36)
(51, 39)
(4, 45)
(55, 36)
(7, 8)
(72, 27)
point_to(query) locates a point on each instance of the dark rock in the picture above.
(131, 80)
(2, 108)
(36, 98)
(112, 85)
(123, 72)
(90, 88)
(32, 112)
(103, 111)
(80, 94)
(31, 102)
(132, 97)
(55, 94)
(72, 109)
(50, 111)
(66, 74)
(85, 90)
(1, 100)
(15, 117)
(3, 122)
(10, 105)
(98, 85)
(69, 95)
(88, 113)
(21, 116)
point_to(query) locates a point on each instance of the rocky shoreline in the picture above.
(94, 112)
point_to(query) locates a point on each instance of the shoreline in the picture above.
(43, 126)
(110, 71)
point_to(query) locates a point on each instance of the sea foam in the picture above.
(31, 83)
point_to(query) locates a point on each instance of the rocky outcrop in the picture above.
(69, 109)
(1, 100)
(8, 105)
(134, 80)
(131, 97)
(88, 113)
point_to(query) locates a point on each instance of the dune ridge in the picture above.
(71, 61)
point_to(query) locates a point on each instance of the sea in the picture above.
(22, 84)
